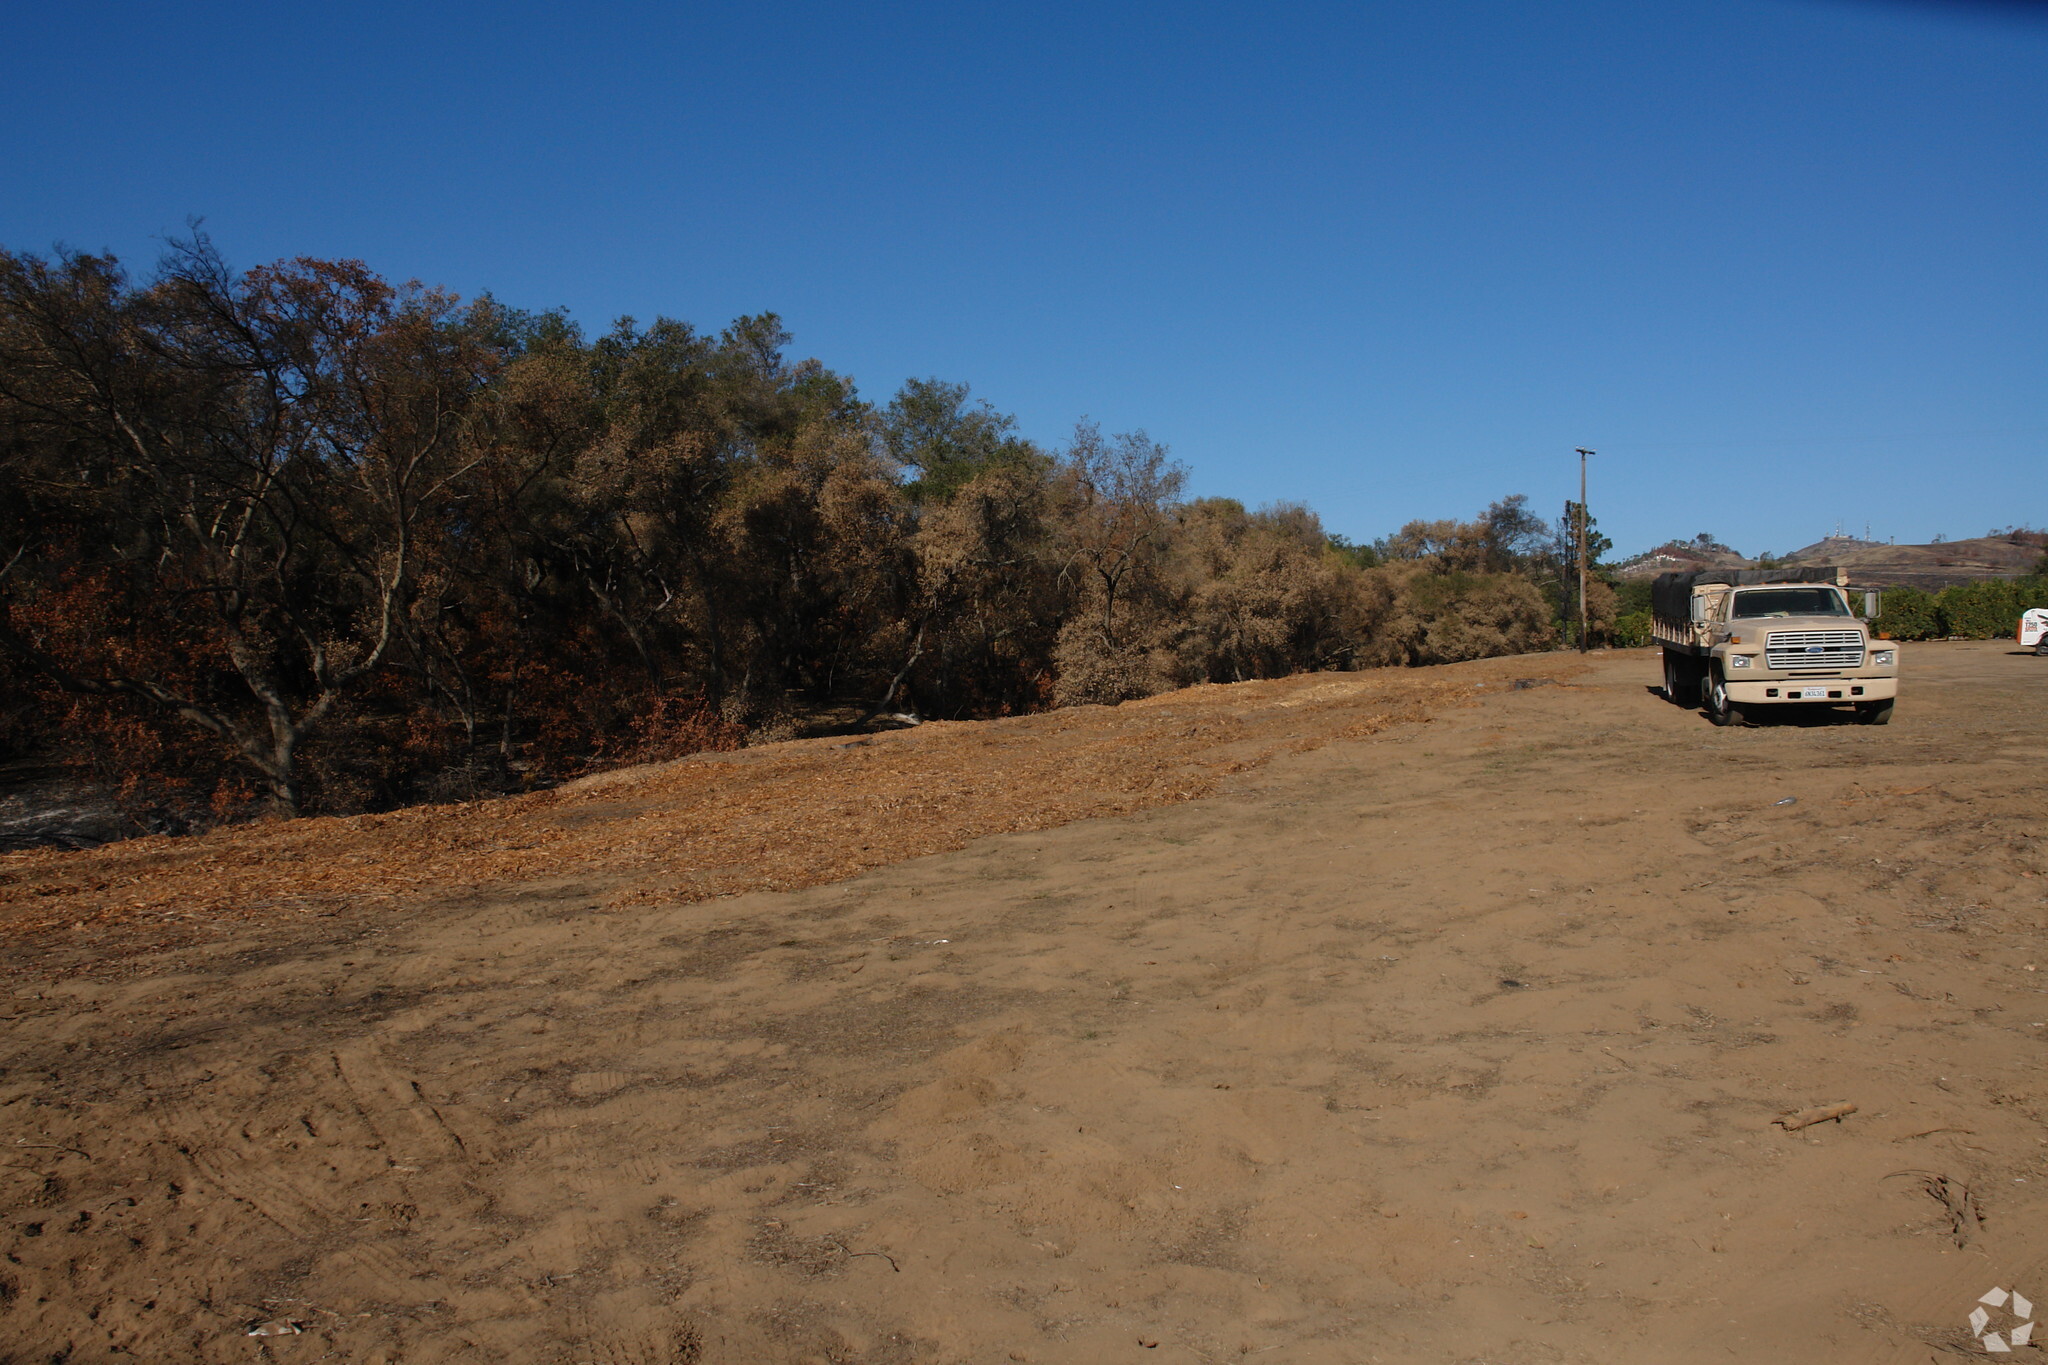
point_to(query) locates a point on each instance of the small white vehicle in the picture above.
(2034, 629)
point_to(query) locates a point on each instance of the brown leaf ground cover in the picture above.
(778, 817)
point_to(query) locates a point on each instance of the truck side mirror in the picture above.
(1871, 602)
(1699, 609)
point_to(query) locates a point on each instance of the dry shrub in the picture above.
(677, 726)
(1452, 616)
(1089, 670)
(1262, 594)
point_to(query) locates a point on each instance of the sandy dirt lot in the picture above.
(1379, 1017)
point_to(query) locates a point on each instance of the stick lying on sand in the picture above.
(1806, 1118)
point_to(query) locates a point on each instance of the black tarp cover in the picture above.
(1671, 594)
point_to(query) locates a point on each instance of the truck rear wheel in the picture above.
(1720, 710)
(1674, 677)
(1684, 680)
(1874, 712)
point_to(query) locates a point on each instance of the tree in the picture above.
(1357, 556)
(1447, 546)
(302, 534)
(1117, 529)
(1424, 617)
(1565, 541)
(991, 592)
(1984, 608)
(1512, 533)
(1909, 614)
(253, 454)
(930, 431)
(1260, 594)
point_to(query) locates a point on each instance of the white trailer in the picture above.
(2034, 629)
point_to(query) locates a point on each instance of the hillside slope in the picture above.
(1930, 567)
(1875, 565)
(777, 816)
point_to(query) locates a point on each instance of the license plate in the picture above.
(1813, 694)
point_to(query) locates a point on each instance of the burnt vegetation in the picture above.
(299, 539)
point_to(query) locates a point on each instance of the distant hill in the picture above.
(1932, 567)
(1681, 557)
(1870, 563)
(1830, 549)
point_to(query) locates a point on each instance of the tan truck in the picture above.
(1739, 640)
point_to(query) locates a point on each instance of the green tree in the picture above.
(1565, 541)
(1631, 630)
(932, 432)
(1357, 556)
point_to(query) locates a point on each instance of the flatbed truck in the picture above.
(1739, 642)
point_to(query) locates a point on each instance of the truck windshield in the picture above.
(1790, 602)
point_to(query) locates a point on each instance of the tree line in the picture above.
(301, 538)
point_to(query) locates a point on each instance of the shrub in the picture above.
(1092, 670)
(1479, 615)
(1909, 614)
(1983, 610)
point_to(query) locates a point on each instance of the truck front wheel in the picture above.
(1874, 712)
(1720, 710)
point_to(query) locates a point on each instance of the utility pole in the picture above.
(1583, 453)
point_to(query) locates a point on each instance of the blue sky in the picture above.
(1782, 263)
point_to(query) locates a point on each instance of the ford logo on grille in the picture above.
(1816, 649)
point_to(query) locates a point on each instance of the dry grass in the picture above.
(780, 816)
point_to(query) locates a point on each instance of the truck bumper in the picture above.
(1770, 692)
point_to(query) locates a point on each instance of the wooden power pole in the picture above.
(1583, 453)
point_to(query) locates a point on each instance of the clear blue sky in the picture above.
(1783, 263)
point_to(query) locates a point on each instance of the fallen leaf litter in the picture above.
(779, 817)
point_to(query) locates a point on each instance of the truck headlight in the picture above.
(1738, 661)
(1885, 658)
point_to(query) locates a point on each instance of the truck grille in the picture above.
(1814, 649)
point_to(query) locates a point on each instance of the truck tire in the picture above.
(1674, 677)
(1874, 712)
(1720, 710)
(2042, 649)
(1692, 692)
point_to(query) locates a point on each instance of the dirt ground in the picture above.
(1378, 1017)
